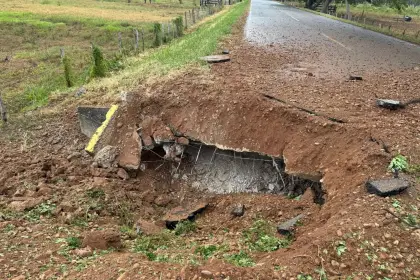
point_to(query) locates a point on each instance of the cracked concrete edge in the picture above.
(90, 148)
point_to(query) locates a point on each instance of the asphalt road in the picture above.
(334, 46)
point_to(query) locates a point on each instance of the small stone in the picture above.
(335, 263)
(102, 240)
(388, 215)
(387, 235)
(238, 210)
(123, 276)
(183, 141)
(396, 242)
(401, 265)
(106, 156)
(136, 265)
(339, 233)
(85, 252)
(387, 187)
(20, 277)
(74, 156)
(206, 274)
(119, 125)
(342, 265)
(410, 257)
(416, 273)
(367, 225)
(147, 228)
(287, 227)
(123, 174)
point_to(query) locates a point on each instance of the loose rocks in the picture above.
(106, 156)
(147, 228)
(387, 187)
(102, 240)
(288, 227)
(238, 210)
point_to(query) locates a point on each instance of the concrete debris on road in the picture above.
(387, 187)
(216, 58)
(288, 227)
(389, 104)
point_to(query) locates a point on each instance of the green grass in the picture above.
(177, 55)
(381, 10)
(262, 237)
(185, 227)
(241, 259)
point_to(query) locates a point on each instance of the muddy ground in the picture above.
(52, 196)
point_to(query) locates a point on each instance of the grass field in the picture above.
(33, 32)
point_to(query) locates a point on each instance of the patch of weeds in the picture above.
(260, 237)
(185, 227)
(241, 259)
(95, 193)
(322, 274)
(206, 251)
(73, 242)
(80, 222)
(129, 231)
(399, 162)
(411, 220)
(304, 277)
(396, 204)
(9, 228)
(44, 209)
(152, 245)
(340, 248)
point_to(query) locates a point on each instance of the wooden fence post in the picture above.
(193, 16)
(418, 32)
(136, 36)
(142, 37)
(120, 40)
(62, 54)
(186, 22)
(3, 113)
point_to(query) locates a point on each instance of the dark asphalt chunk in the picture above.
(387, 187)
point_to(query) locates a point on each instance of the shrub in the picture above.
(99, 65)
(68, 75)
(179, 25)
(157, 30)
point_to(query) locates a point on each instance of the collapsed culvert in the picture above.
(221, 171)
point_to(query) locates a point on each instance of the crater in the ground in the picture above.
(216, 170)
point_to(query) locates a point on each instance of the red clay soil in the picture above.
(224, 106)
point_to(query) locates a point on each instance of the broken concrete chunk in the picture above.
(123, 174)
(147, 228)
(387, 187)
(163, 135)
(238, 210)
(288, 227)
(90, 118)
(130, 155)
(178, 214)
(103, 240)
(148, 142)
(389, 104)
(106, 156)
(183, 141)
(216, 58)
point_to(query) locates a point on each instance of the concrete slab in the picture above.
(387, 187)
(91, 118)
(216, 58)
(389, 104)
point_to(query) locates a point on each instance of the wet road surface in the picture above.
(333, 46)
